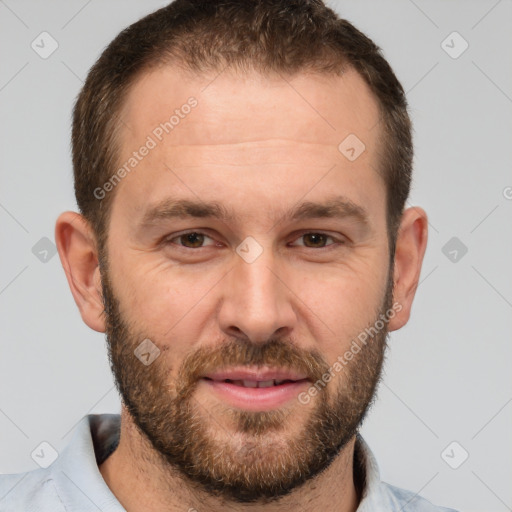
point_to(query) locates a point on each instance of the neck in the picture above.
(135, 475)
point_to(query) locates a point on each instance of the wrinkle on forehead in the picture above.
(307, 108)
(275, 152)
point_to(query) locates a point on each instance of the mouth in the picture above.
(255, 389)
(248, 383)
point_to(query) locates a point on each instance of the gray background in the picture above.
(447, 376)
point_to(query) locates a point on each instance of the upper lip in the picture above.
(256, 374)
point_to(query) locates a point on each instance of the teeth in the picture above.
(257, 384)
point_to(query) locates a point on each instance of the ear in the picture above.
(79, 257)
(410, 249)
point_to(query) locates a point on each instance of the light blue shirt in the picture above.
(73, 482)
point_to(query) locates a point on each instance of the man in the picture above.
(241, 169)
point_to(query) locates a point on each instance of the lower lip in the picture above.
(256, 399)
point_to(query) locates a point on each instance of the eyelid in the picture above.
(336, 240)
(168, 240)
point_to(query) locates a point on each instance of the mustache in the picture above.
(274, 353)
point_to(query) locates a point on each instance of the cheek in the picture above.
(162, 299)
(344, 302)
(355, 283)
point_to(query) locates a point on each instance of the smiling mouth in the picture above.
(257, 383)
(255, 389)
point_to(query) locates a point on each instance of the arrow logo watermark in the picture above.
(249, 250)
(454, 249)
(351, 147)
(454, 455)
(44, 45)
(44, 250)
(147, 352)
(44, 455)
(454, 45)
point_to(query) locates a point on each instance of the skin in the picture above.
(258, 145)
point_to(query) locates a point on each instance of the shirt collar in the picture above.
(97, 436)
(366, 471)
(76, 473)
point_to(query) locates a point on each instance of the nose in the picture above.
(257, 300)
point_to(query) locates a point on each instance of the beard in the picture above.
(258, 456)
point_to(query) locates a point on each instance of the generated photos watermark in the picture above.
(157, 135)
(355, 347)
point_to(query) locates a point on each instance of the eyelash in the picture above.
(169, 241)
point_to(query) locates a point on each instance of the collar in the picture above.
(97, 436)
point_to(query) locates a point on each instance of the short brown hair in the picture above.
(284, 36)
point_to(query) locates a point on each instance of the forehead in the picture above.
(264, 136)
(329, 105)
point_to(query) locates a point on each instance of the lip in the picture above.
(255, 398)
(258, 374)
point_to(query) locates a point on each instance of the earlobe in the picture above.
(410, 249)
(78, 254)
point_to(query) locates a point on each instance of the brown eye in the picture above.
(194, 239)
(190, 240)
(315, 239)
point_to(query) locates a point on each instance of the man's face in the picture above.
(284, 304)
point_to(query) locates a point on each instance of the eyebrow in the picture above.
(335, 207)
